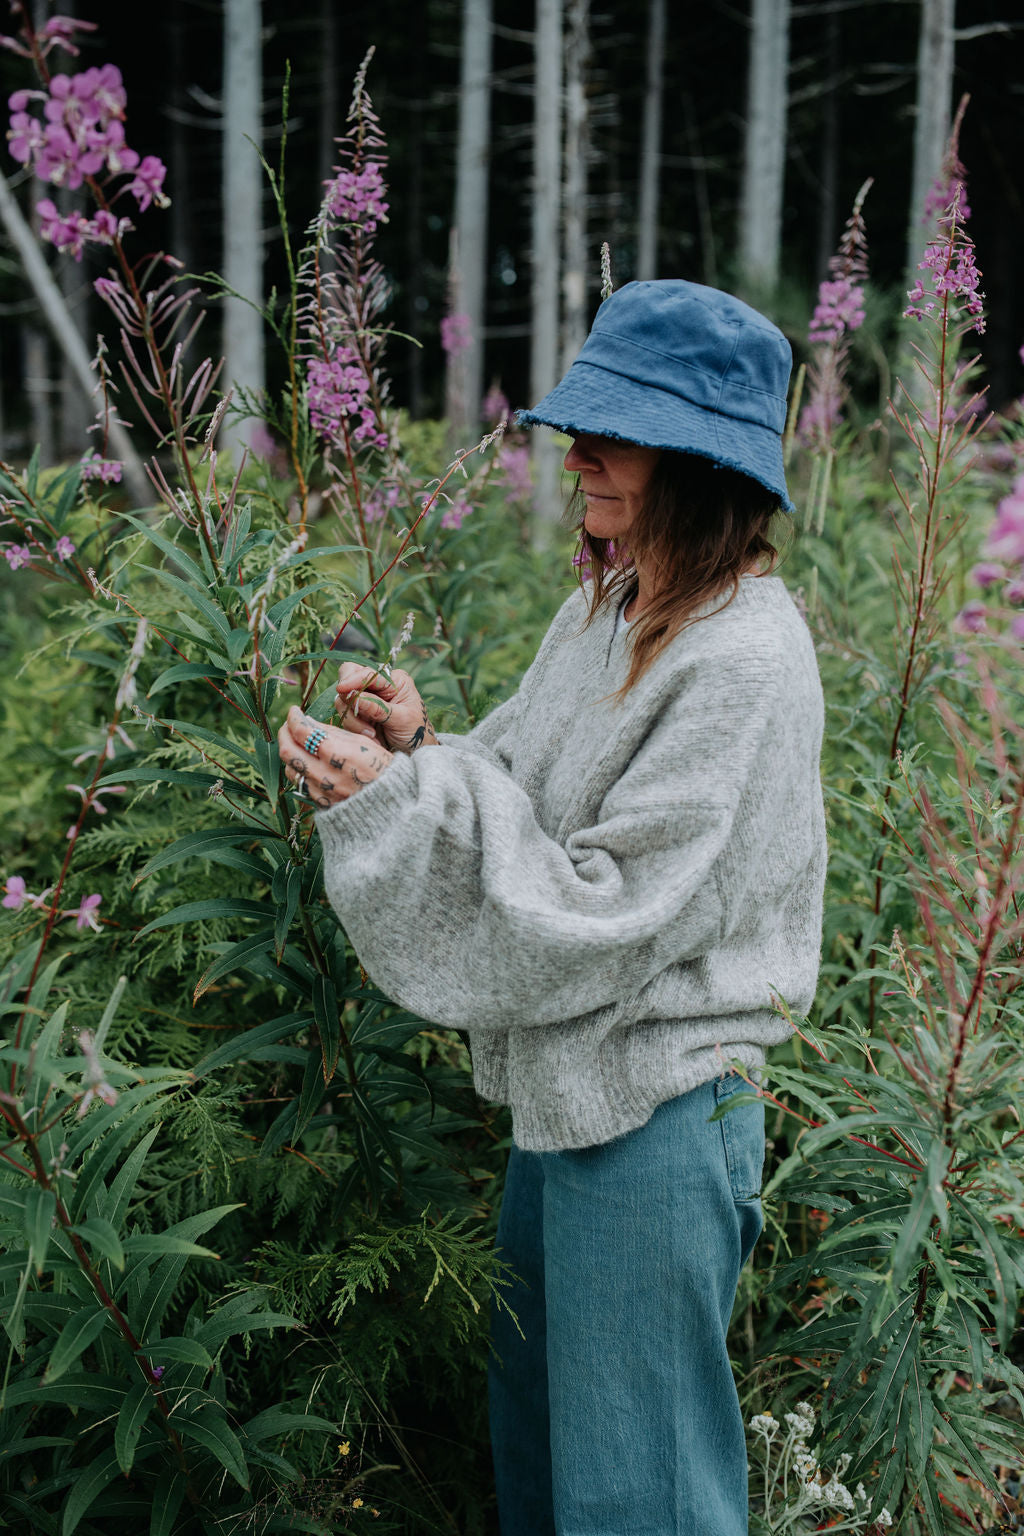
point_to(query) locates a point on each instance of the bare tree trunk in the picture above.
(55, 313)
(547, 183)
(650, 146)
(179, 160)
(764, 154)
(472, 167)
(243, 200)
(935, 54)
(329, 114)
(829, 158)
(577, 148)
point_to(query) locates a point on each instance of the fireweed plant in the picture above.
(891, 1302)
(243, 1078)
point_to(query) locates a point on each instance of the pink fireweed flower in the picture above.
(495, 407)
(17, 555)
(94, 1078)
(456, 334)
(338, 392)
(148, 182)
(972, 618)
(840, 308)
(987, 573)
(951, 275)
(94, 467)
(514, 468)
(1017, 626)
(455, 515)
(358, 197)
(1005, 540)
(85, 913)
(16, 894)
(93, 801)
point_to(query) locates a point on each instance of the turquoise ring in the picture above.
(314, 741)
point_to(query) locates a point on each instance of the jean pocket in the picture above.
(742, 1137)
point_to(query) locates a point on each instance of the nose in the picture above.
(582, 454)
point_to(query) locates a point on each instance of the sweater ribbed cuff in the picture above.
(371, 811)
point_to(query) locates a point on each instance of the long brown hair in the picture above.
(700, 528)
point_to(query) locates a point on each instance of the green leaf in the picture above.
(167, 1497)
(184, 671)
(209, 1429)
(201, 845)
(233, 957)
(154, 775)
(999, 1269)
(197, 911)
(253, 1039)
(147, 1244)
(215, 616)
(167, 547)
(40, 1208)
(325, 1011)
(179, 1350)
(134, 1412)
(101, 1235)
(86, 1488)
(75, 1337)
(112, 1205)
(278, 1421)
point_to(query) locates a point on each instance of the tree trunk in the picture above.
(764, 154)
(472, 168)
(935, 52)
(243, 199)
(178, 158)
(55, 313)
(577, 145)
(547, 182)
(650, 146)
(330, 125)
(828, 164)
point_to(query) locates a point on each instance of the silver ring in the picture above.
(300, 787)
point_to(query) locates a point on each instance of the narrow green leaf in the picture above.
(998, 1268)
(278, 1421)
(209, 1429)
(325, 1011)
(134, 1412)
(167, 547)
(180, 1350)
(220, 1326)
(197, 911)
(100, 1234)
(86, 1488)
(167, 1497)
(234, 957)
(75, 1337)
(40, 1208)
(184, 671)
(200, 845)
(253, 1039)
(146, 1244)
(112, 1205)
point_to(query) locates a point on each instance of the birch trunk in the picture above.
(764, 154)
(55, 313)
(547, 181)
(577, 145)
(466, 370)
(935, 54)
(650, 145)
(243, 198)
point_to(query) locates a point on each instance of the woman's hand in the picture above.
(371, 702)
(327, 764)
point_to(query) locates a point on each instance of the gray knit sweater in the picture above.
(610, 897)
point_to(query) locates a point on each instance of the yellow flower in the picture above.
(344, 1448)
(357, 1503)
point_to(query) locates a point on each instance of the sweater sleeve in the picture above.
(463, 910)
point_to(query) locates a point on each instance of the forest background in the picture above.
(190, 1052)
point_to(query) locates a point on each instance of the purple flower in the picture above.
(338, 393)
(63, 548)
(147, 186)
(85, 914)
(358, 197)
(456, 334)
(987, 573)
(1014, 591)
(1017, 626)
(495, 407)
(16, 894)
(972, 618)
(840, 308)
(454, 515)
(94, 467)
(17, 555)
(514, 466)
(952, 277)
(1006, 536)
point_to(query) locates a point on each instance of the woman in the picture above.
(611, 883)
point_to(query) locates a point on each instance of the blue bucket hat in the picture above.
(672, 364)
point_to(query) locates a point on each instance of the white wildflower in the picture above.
(836, 1494)
(883, 1518)
(765, 1424)
(404, 636)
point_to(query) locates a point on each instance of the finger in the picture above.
(363, 705)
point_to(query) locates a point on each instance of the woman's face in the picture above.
(614, 478)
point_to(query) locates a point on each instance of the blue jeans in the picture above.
(617, 1415)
